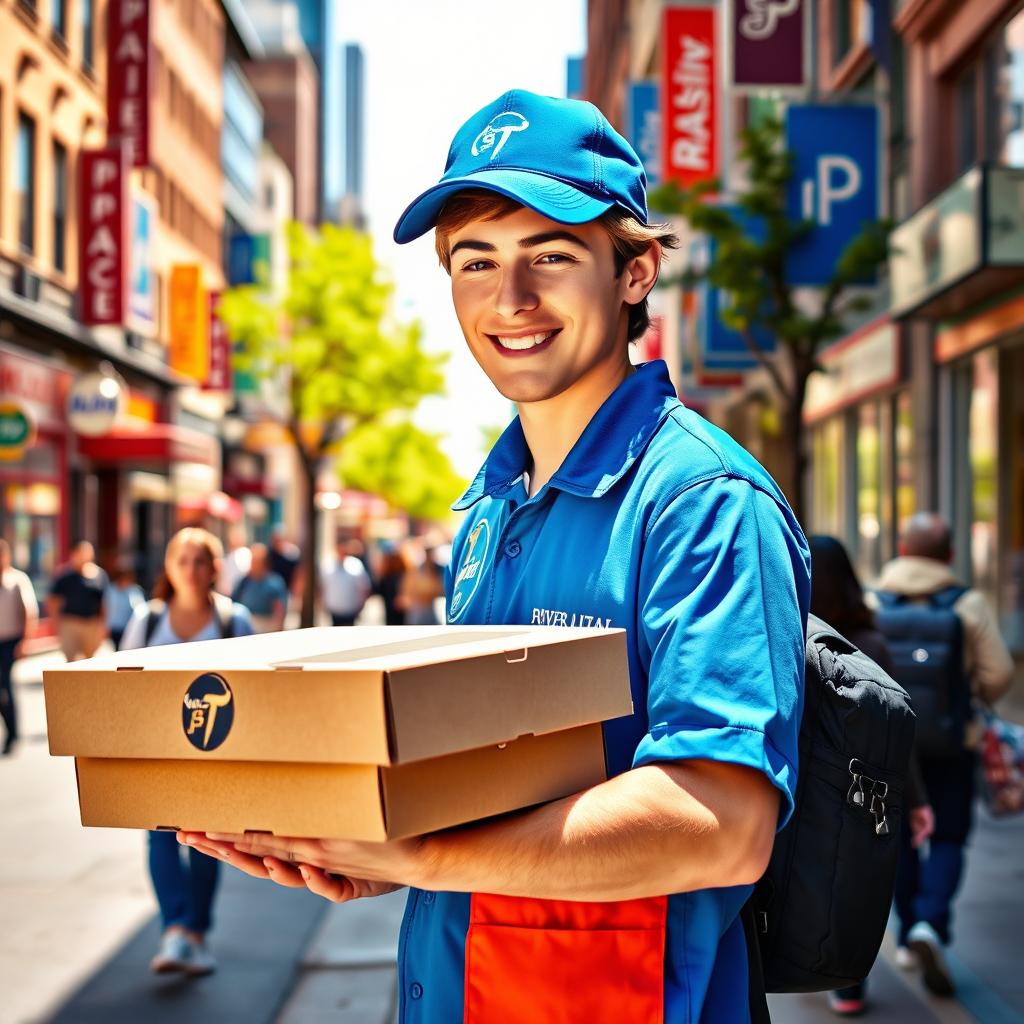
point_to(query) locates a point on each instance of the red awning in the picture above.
(218, 504)
(154, 442)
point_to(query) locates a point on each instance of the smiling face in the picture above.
(540, 304)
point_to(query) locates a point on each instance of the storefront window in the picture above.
(870, 490)
(29, 521)
(827, 505)
(983, 447)
(903, 430)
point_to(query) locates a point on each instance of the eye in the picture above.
(476, 266)
(552, 258)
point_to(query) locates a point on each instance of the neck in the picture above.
(553, 426)
(190, 601)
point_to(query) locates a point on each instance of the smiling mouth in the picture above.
(523, 343)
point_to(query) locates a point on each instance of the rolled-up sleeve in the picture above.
(724, 588)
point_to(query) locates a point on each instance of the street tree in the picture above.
(749, 268)
(329, 349)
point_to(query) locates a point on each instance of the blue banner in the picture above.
(645, 127)
(248, 258)
(834, 184)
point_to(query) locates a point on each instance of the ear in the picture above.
(641, 274)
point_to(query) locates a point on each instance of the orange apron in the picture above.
(532, 961)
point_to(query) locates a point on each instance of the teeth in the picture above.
(520, 344)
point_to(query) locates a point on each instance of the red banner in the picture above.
(689, 90)
(103, 235)
(129, 82)
(219, 375)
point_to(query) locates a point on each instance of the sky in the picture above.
(429, 65)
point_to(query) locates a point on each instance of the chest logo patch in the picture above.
(470, 570)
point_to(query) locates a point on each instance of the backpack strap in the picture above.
(154, 612)
(755, 969)
(945, 599)
(887, 599)
(224, 608)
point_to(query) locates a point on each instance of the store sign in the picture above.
(17, 431)
(95, 404)
(768, 43)
(189, 322)
(248, 259)
(853, 369)
(129, 81)
(37, 388)
(218, 377)
(689, 91)
(141, 291)
(645, 128)
(103, 236)
(834, 184)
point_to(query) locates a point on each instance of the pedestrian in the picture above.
(421, 586)
(263, 592)
(76, 603)
(390, 572)
(123, 596)
(920, 580)
(236, 561)
(185, 608)
(604, 501)
(284, 557)
(838, 598)
(19, 615)
(345, 584)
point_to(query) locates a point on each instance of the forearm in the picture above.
(655, 830)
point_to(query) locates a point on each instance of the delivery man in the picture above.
(608, 503)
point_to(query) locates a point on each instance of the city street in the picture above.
(78, 927)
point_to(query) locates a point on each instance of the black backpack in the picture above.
(223, 607)
(817, 916)
(926, 640)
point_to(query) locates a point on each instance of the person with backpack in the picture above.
(605, 502)
(838, 598)
(948, 654)
(185, 608)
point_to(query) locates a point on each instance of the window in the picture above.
(58, 17)
(849, 27)
(828, 493)
(86, 7)
(60, 206)
(25, 182)
(967, 120)
(903, 446)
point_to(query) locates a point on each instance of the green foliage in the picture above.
(404, 465)
(489, 436)
(751, 271)
(329, 341)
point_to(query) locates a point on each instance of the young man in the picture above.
(604, 502)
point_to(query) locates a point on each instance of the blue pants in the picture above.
(926, 885)
(184, 890)
(7, 711)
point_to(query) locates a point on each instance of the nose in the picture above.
(514, 294)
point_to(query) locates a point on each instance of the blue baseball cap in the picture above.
(559, 157)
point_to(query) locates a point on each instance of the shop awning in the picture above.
(153, 442)
(218, 504)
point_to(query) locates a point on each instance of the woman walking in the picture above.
(185, 608)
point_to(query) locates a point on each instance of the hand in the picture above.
(922, 824)
(336, 869)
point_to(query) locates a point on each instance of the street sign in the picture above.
(142, 283)
(834, 184)
(645, 128)
(189, 322)
(130, 76)
(103, 235)
(689, 90)
(769, 43)
(17, 431)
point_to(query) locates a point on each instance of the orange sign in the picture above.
(189, 326)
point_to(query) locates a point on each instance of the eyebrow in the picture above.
(524, 243)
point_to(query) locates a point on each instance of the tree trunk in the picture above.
(794, 436)
(311, 533)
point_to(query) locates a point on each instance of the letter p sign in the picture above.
(838, 180)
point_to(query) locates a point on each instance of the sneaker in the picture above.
(905, 959)
(847, 1002)
(201, 961)
(174, 954)
(926, 945)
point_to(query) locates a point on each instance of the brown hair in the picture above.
(629, 237)
(163, 590)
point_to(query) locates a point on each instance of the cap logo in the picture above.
(763, 17)
(497, 133)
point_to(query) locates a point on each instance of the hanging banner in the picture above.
(769, 43)
(645, 128)
(141, 290)
(689, 93)
(129, 77)
(218, 376)
(103, 236)
(189, 322)
(834, 184)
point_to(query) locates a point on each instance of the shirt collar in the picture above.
(610, 444)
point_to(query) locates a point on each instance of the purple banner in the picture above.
(768, 40)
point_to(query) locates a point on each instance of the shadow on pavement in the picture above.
(259, 934)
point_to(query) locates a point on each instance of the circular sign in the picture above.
(208, 711)
(95, 402)
(17, 431)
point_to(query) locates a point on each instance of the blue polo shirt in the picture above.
(659, 523)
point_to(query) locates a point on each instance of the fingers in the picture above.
(224, 852)
(292, 851)
(336, 888)
(287, 875)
